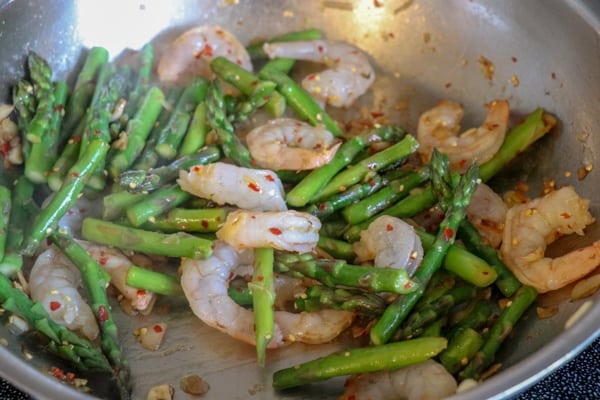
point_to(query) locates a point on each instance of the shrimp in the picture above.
(190, 54)
(117, 265)
(349, 74)
(251, 189)
(289, 144)
(392, 243)
(439, 128)
(530, 227)
(53, 282)
(205, 283)
(283, 230)
(428, 380)
(487, 213)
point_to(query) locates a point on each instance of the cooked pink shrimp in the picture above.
(348, 76)
(205, 283)
(190, 54)
(391, 243)
(424, 381)
(251, 189)
(289, 144)
(487, 213)
(532, 226)
(283, 230)
(54, 282)
(439, 128)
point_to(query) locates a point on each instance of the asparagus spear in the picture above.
(115, 204)
(173, 132)
(171, 245)
(499, 331)
(397, 311)
(199, 220)
(137, 131)
(255, 50)
(156, 204)
(83, 90)
(137, 181)
(65, 343)
(300, 100)
(477, 318)
(461, 348)
(96, 282)
(319, 297)
(66, 196)
(156, 282)
(338, 272)
(5, 206)
(336, 248)
(195, 136)
(41, 77)
(66, 159)
(263, 299)
(45, 152)
(232, 146)
(25, 104)
(360, 360)
(308, 187)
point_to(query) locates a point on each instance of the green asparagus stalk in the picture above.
(95, 282)
(192, 220)
(41, 77)
(173, 132)
(239, 292)
(499, 331)
(149, 157)
(195, 136)
(363, 168)
(255, 50)
(360, 360)
(137, 181)
(45, 152)
(65, 343)
(5, 207)
(155, 204)
(66, 197)
(461, 349)
(249, 84)
(232, 146)
(138, 129)
(393, 191)
(477, 318)
(312, 184)
(318, 297)
(339, 272)
(142, 82)
(171, 245)
(66, 159)
(115, 204)
(25, 104)
(507, 283)
(300, 100)
(152, 281)
(263, 299)
(336, 248)
(397, 311)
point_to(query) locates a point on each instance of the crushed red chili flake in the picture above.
(448, 85)
(377, 114)
(141, 292)
(55, 305)
(389, 228)
(196, 168)
(58, 107)
(157, 328)
(408, 285)
(58, 373)
(270, 178)
(254, 187)
(322, 206)
(260, 278)
(311, 77)
(448, 234)
(204, 223)
(75, 174)
(565, 215)
(102, 314)
(514, 59)
(5, 148)
(275, 231)
(103, 260)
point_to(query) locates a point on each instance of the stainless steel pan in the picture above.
(425, 50)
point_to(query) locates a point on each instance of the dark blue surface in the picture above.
(579, 379)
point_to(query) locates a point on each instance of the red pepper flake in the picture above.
(254, 187)
(5, 148)
(208, 50)
(377, 3)
(102, 314)
(238, 61)
(514, 59)
(311, 77)
(448, 234)
(103, 260)
(157, 328)
(389, 228)
(320, 49)
(58, 107)
(377, 114)
(55, 305)
(565, 215)
(275, 231)
(485, 272)
(58, 373)
(372, 183)
(553, 75)
(76, 139)
(75, 174)
(141, 292)
(270, 178)
(204, 223)
(70, 377)
(322, 206)
(448, 85)
(260, 278)
(196, 168)
(408, 285)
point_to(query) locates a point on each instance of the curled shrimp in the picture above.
(190, 54)
(283, 230)
(252, 189)
(391, 243)
(205, 284)
(289, 144)
(530, 227)
(428, 380)
(54, 282)
(348, 76)
(439, 128)
(487, 213)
